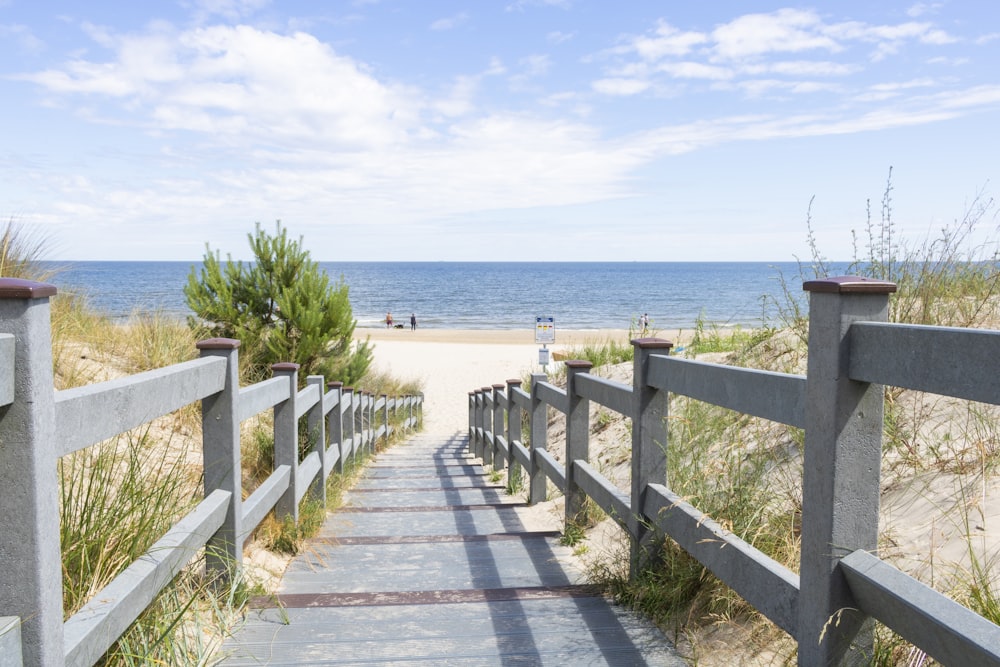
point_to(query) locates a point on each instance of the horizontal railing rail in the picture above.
(39, 425)
(841, 583)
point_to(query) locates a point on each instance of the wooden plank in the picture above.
(613, 501)
(778, 397)
(612, 395)
(767, 585)
(552, 468)
(93, 629)
(96, 412)
(941, 360)
(262, 396)
(944, 629)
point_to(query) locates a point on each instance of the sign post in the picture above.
(545, 333)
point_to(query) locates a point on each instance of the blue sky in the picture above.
(510, 130)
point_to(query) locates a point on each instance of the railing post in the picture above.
(335, 423)
(487, 445)
(841, 471)
(498, 426)
(316, 424)
(385, 416)
(477, 451)
(515, 429)
(539, 429)
(220, 428)
(369, 421)
(358, 415)
(649, 443)
(286, 441)
(577, 437)
(31, 586)
(472, 422)
(348, 445)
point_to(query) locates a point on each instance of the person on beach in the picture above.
(644, 323)
(413, 321)
(388, 320)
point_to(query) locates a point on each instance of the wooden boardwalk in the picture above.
(430, 564)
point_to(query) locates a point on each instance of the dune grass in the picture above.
(746, 473)
(118, 497)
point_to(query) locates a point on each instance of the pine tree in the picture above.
(281, 307)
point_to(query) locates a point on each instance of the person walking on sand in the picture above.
(413, 321)
(388, 320)
(644, 323)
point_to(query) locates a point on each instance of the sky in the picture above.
(511, 130)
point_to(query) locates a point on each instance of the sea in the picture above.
(486, 295)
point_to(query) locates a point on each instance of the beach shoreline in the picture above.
(564, 338)
(448, 364)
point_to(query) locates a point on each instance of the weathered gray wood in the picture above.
(90, 414)
(222, 469)
(539, 433)
(766, 584)
(577, 437)
(286, 441)
(521, 398)
(262, 396)
(779, 397)
(608, 497)
(93, 629)
(546, 464)
(309, 473)
(552, 396)
(610, 394)
(841, 472)
(649, 448)
(6, 369)
(316, 428)
(31, 587)
(941, 360)
(307, 397)
(944, 629)
(10, 642)
(521, 454)
(263, 499)
(502, 451)
(333, 457)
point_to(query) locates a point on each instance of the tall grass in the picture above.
(746, 474)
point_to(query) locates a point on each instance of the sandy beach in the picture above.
(449, 363)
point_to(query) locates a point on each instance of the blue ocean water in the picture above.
(485, 295)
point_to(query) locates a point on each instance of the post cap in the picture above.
(334, 384)
(499, 386)
(652, 343)
(514, 383)
(849, 285)
(218, 344)
(19, 288)
(284, 366)
(578, 364)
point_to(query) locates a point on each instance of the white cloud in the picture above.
(621, 87)
(665, 41)
(558, 37)
(784, 31)
(450, 23)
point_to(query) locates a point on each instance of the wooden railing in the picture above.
(841, 583)
(38, 425)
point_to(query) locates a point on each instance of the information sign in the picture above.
(545, 330)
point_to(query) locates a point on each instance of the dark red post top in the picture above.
(849, 285)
